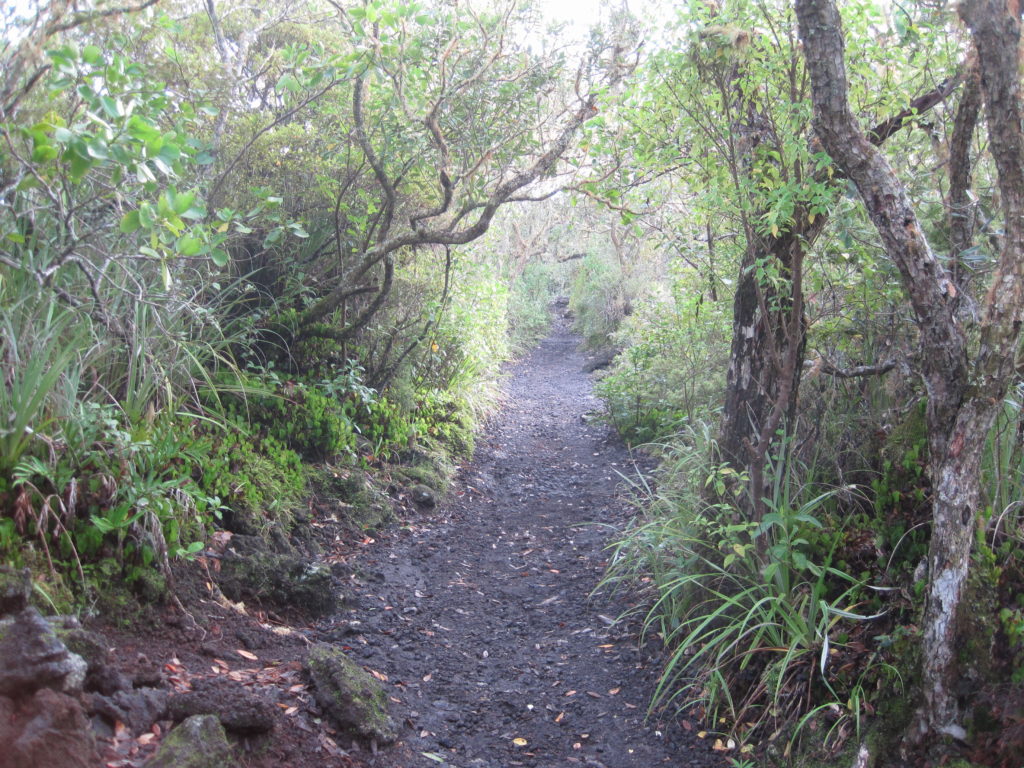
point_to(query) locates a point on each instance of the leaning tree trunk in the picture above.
(963, 395)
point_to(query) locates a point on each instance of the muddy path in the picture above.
(481, 615)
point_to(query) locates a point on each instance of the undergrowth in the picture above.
(768, 638)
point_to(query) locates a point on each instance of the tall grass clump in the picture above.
(764, 632)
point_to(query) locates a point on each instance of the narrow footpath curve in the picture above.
(481, 616)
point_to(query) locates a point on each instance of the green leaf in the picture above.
(43, 153)
(219, 257)
(130, 222)
(288, 82)
(112, 107)
(189, 245)
(79, 164)
(143, 174)
(97, 149)
(182, 202)
(142, 130)
(91, 54)
(162, 166)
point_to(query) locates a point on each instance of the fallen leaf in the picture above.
(614, 691)
(247, 655)
(560, 717)
(433, 756)
(428, 677)
(570, 693)
(145, 738)
(519, 741)
(593, 695)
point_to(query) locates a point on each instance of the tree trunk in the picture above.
(758, 374)
(963, 395)
(754, 378)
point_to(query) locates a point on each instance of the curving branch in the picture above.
(453, 234)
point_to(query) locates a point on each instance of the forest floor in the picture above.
(478, 615)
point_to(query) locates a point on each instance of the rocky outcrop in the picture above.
(286, 580)
(33, 657)
(41, 720)
(46, 728)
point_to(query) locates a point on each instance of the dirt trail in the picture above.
(481, 615)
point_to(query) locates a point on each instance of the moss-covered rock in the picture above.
(285, 580)
(423, 494)
(349, 696)
(356, 500)
(199, 742)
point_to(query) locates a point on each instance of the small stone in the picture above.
(199, 742)
(423, 494)
(138, 709)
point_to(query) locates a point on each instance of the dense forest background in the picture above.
(252, 253)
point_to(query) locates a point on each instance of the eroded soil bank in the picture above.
(482, 617)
